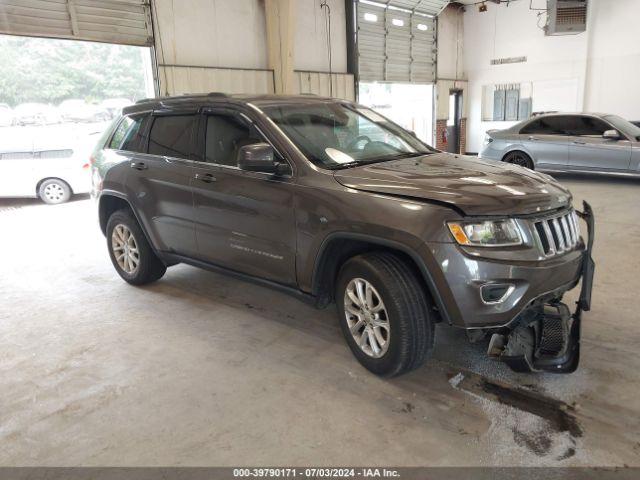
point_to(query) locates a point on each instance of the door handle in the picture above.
(205, 177)
(576, 142)
(533, 138)
(139, 165)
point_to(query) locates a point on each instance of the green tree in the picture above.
(50, 71)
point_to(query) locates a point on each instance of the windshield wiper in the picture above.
(388, 158)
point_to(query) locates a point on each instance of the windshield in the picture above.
(624, 126)
(334, 135)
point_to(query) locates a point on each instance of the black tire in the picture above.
(519, 158)
(149, 267)
(54, 191)
(411, 335)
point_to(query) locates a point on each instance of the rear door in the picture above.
(244, 220)
(548, 141)
(588, 150)
(159, 180)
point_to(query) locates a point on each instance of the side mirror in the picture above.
(611, 135)
(258, 157)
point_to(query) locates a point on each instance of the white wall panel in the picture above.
(230, 35)
(555, 65)
(217, 33)
(318, 83)
(179, 80)
(311, 37)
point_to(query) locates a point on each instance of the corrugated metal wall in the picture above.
(125, 22)
(178, 80)
(395, 45)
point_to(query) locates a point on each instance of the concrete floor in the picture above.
(200, 369)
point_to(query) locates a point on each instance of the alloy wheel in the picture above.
(367, 317)
(520, 160)
(125, 249)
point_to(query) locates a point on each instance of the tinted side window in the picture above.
(225, 135)
(589, 126)
(533, 127)
(118, 135)
(16, 156)
(172, 135)
(127, 134)
(133, 140)
(547, 126)
(556, 125)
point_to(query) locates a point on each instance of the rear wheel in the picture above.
(519, 158)
(130, 252)
(384, 313)
(54, 191)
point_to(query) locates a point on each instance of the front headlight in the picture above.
(490, 233)
(487, 140)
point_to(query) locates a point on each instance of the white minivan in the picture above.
(52, 169)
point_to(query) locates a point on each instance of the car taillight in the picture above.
(85, 166)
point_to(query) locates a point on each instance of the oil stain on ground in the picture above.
(559, 417)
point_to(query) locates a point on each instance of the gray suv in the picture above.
(333, 203)
(562, 142)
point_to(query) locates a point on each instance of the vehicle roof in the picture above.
(556, 114)
(221, 98)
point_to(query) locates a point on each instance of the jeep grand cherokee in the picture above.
(332, 202)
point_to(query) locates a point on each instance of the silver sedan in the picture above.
(584, 142)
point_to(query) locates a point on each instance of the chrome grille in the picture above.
(557, 234)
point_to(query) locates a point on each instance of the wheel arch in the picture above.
(338, 247)
(107, 205)
(110, 202)
(519, 149)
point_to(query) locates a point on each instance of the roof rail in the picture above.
(217, 94)
(144, 100)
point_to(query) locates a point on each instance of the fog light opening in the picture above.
(495, 293)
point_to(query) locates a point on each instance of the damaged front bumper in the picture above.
(547, 335)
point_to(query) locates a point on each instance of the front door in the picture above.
(159, 182)
(588, 150)
(244, 220)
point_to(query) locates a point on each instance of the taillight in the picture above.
(86, 166)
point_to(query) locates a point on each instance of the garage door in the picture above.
(397, 43)
(125, 22)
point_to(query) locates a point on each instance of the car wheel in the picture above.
(54, 191)
(130, 252)
(519, 158)
(384, 313)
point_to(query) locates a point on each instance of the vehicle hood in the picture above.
(475, 186)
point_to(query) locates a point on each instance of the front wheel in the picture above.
(384, 313)
(130, 252)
